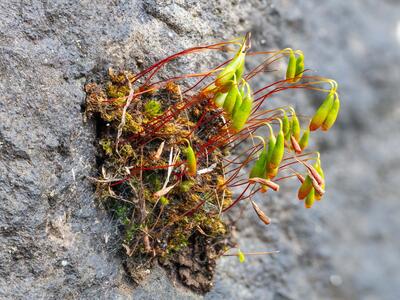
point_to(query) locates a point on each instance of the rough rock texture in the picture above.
(55, 242)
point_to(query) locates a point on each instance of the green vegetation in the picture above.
(172, 156)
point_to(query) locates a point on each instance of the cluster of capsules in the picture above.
(232, 93)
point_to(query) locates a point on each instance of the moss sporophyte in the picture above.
(172, 151)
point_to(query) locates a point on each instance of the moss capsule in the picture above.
(322, 112)
(305, 188)
(240, 117)
(219, 99)
(285, 124)
(310, 199)
(303, 143)
(191, 160)
(332, 115)
(295, 126)
(277, 153)
(225, 78)
(291, 68)
(299, 66)
(258, 169)
(230, 99)
(241, 256)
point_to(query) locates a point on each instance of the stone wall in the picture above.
(55, 242)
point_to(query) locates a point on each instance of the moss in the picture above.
(133, 174)
(168, 208)
(131, 230)
(117, 91)
(107, 146)
(185, 186)
(121, 212)
(132, 125)
(177, 242)
(152, 108)
(164, 201)
(127, 151)
(155, 182)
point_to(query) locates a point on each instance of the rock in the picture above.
(56, 243)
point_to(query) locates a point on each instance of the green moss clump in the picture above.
(107, 146)
(117, 91)
(132, 125)
(185, 186)
(134, 169)
(164, 200)
(152, 108)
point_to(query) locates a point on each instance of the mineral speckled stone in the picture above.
(48, 214)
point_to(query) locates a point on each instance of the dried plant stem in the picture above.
(123, 117)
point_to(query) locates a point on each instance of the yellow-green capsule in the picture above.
(271, 173)
(219, 99)
(299, 66)
(241, 113)
(291, 68)
(238, 102)
(258, 169)
(241, 256)
(295, 127)
(332, 115)
(271, 142)
(240, 70)
(285, 123)
(230, 99)
(277, 153)
(322, 112)
(318, 167)
(224, 79)
(191, 160)
(310, 199)
(271, 146)
(303, 143)
(240, 117)
(305, 188)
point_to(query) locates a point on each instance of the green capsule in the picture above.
(303, 143)
(310, 199)
(291, 68)
(271, 146)
(271, 173)
(322, 112)
(230, 99)
(238, 102)
(295, 124)
(286, 124)
(305, 188)
(240, 70)
(332, 115)
(258, 169)
(289, 133)
(277, 153)
(240, 117)
(191, 160)
(219, 99)
(225, 78)
(299, 66)
(242, 108)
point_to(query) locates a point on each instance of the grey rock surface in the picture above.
(55, 242)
